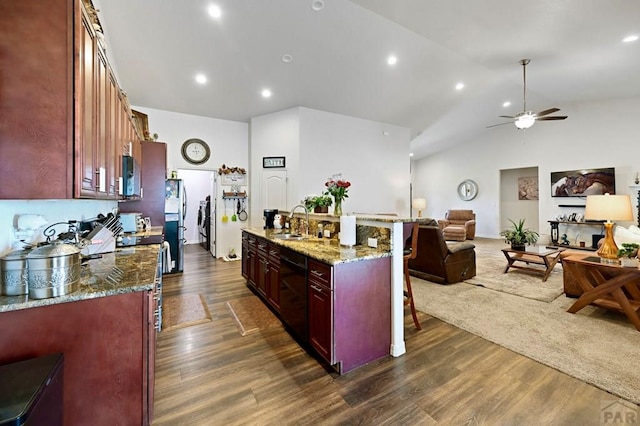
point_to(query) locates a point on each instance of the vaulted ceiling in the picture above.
(339, 51)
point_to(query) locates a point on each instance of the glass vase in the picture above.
(337, 210)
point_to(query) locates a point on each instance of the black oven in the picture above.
(293, 292)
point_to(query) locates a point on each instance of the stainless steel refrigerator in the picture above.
(175, 210)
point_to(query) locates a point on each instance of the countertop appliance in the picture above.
(269, 216)
(130, 222)
(175, 210)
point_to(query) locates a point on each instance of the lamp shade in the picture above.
(608, 207)
(419, 203)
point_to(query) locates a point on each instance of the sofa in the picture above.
(440, 262)
(458, 225)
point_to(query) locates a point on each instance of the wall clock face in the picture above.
(196, 151)
(467, 190)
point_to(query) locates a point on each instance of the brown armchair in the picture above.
(441, 263)
(457, 221)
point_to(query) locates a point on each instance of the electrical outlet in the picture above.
(372, 242)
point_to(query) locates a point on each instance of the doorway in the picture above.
(199, 184)
(519, 197)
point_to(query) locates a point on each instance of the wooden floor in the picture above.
(209, 374)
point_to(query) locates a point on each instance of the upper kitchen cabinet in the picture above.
(64, 121)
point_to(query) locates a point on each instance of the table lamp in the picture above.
(419, 204)
(608, 207)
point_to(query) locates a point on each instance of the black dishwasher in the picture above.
(293, 292)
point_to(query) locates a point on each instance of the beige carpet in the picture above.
(183, 311)
(594, 345)
(252, 315)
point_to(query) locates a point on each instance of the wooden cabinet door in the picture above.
(273, 277)
(113, 131)
(263, 270)
(245, 256)
(102, 124)
(86, 112)
(320, 320)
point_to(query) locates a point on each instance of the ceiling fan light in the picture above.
(525, 121)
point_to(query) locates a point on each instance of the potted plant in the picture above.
(318, 203)
(519, 236)
(628, 255)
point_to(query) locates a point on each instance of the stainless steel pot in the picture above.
(13, 273)
(53, 270)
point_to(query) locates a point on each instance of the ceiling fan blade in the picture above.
(555, 117)
(547, 111)
(501, 124)
(506, 116)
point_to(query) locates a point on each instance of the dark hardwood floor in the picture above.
(209, 374)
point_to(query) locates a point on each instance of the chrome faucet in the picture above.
(306, 211)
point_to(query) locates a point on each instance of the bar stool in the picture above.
(410, 230)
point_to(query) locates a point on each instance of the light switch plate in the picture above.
(372, 242)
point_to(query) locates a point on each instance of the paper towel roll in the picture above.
(348, 231)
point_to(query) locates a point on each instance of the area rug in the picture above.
(490, 264)
(594, 345)
(252, 315)
(521, 283)
(183, 311)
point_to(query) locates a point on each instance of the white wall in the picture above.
(598, 134)
(373, 156)
(274, 135)
(229, 143)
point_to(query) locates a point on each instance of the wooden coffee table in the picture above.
(537, 255)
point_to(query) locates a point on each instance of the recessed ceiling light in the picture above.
(214, 11)
(317, 5)
(411, 154)
(630, 38)
(201, 78)
(286, 58)
(459, 86)
(392, 60)
(506, 104)
(266, 93)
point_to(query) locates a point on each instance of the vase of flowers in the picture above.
(338, 189)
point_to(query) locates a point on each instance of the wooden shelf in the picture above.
(227, 194)
(569, 246)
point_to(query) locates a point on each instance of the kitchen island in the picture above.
(106, 331)
(335, 301)
(353, 296)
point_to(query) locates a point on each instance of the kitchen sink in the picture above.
(290, 237)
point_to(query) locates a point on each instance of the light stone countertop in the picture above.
(127, 270)
(322, 249)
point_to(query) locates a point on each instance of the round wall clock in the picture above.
(467, 190)
(196, 151)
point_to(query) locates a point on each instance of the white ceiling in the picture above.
(339, 58)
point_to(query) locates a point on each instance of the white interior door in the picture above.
(274, 189)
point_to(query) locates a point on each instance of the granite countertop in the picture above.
(127, 270)
(322, 249)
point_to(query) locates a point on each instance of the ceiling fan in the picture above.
(525, 119)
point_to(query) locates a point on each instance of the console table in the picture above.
(555, 233)
(619, 292)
